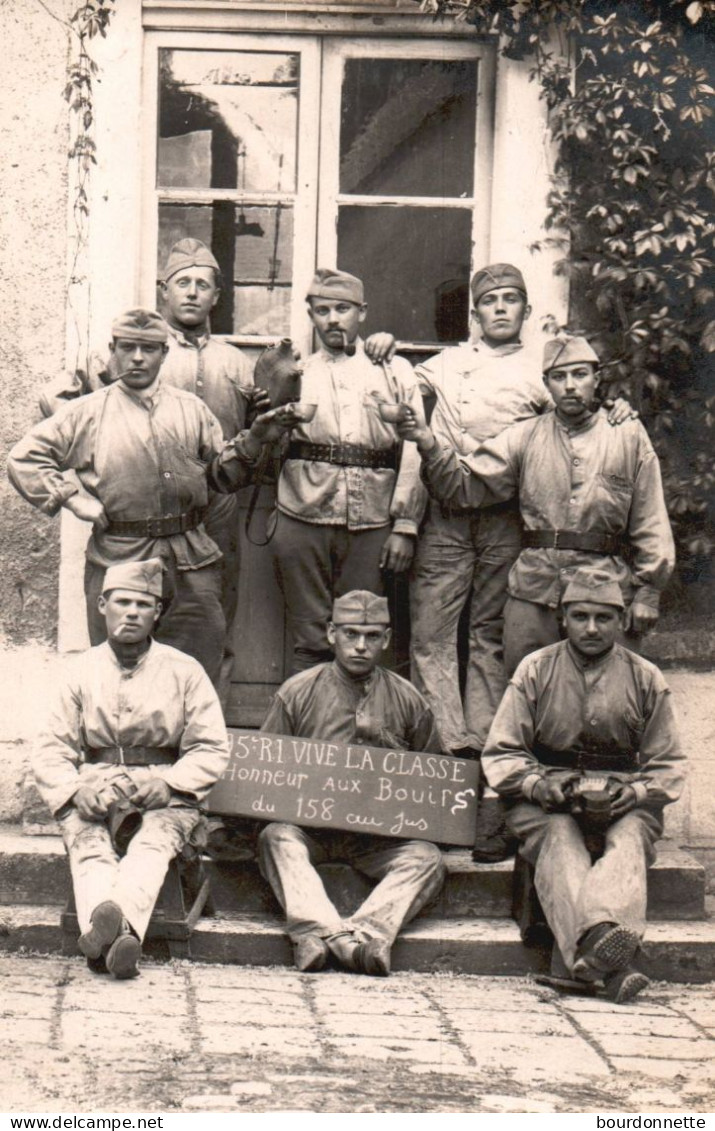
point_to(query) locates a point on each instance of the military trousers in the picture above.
(460, 557)
(575, 893)
(222, 525)
(132, 881)
(314, 564)
(410, 874)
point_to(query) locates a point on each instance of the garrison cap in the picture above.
(140, 325)
(566, 350)
(141, 577)
(360, 607)
(496, 275)
(593, 585)
(337, 285)
(189, 253)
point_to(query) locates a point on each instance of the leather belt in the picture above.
(588, 761)
(344, 455)
(159, 527)
(132, 755)
(592, 541)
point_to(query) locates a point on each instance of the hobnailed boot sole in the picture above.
(625, 985)
(106, 920)
(123, 957)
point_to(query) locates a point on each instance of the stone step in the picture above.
(675, 952)
(33, 870)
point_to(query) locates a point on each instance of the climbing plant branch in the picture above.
(84, 23)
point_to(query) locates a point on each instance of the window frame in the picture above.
(336, 51)
(304, 200)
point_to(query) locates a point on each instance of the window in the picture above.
(283, 153)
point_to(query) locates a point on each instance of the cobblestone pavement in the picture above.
(186, 1037)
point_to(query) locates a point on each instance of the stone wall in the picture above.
(33, 253)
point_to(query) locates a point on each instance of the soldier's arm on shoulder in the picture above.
(68, 387)
(203, 750)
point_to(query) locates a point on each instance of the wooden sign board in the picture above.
(361, 789)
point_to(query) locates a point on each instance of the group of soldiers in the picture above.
(522, 497)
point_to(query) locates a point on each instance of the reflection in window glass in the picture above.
(407, 127)
(228, 119)
(254, 248)
(415, 266)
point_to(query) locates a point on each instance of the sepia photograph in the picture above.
(357, 659)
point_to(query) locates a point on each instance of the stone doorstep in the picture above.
(674, 952)
(34, 870)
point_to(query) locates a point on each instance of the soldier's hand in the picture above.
(549, 795)
(88, 509)
(623, 801)
(619, 410)
(640, 618)
(411, 428)
(397, 552)
(152, 794)
(89, 804)
(270, 426)
(380, 347)
(258, 402)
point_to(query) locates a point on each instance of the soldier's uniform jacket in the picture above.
(382, 710)
(141, 457)
(347, 391)
(591, 478)
(167, 700)
(561, 708)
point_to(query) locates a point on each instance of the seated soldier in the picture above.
(585, 715)
(351, 700)
(135, 719)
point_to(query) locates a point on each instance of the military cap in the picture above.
(360, 607)
(189, 253)
(496, 275)
(567, 350)
(140, 577)
(593, 585)
(336, 285)
(140, 326)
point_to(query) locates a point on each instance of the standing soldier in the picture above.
(145, 454)
(216, 372)
(346, 513)
(588, 495)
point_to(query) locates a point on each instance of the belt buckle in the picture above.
(332, 452)
(556, 540)
(121, 756)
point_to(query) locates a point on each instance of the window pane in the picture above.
(254, 248)
(415, 266)
(228, 119)
(408, 127)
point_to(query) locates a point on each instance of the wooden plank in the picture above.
(357, 788)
